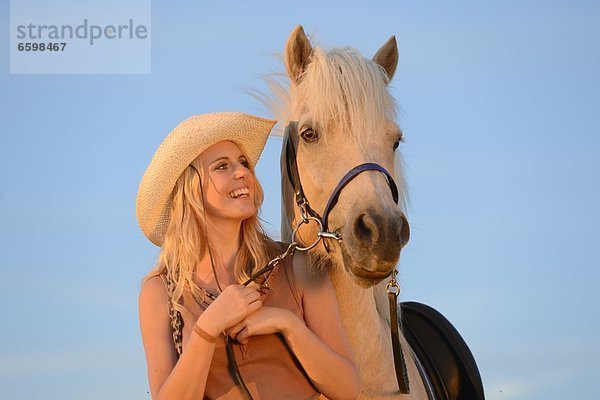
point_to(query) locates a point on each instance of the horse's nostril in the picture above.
(404, 231)
(363, 227)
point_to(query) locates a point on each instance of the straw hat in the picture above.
(182, 146)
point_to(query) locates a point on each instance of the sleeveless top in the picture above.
(267, 365)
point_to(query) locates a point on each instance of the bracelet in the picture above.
(204, 335)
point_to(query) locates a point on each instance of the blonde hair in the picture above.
(340, 87)
(186, 240)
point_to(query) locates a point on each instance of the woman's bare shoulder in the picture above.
(155, 323)
(155, 327)
(153, 294)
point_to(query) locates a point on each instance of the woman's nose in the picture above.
(241, 171)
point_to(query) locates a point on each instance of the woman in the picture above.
(198, 201)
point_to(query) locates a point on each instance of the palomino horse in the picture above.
(346, 117)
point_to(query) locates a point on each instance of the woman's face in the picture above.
(230, 188)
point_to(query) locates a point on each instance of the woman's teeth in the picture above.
(243, 192)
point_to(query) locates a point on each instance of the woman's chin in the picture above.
(247, 212)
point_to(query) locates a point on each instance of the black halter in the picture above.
(306, 212)
(291, 134)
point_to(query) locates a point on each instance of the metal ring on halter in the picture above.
(306, 221)
(393, 288)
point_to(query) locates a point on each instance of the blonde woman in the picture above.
(198, 201)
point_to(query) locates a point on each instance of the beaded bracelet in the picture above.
(204, 335)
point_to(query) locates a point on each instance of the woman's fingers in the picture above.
(252, 296)
(239, 332)
(233, 305)
(242, 336)
(255, 305)
(234, 330)
(246, 290)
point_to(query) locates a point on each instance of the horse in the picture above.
(342, 143)
(345, 116)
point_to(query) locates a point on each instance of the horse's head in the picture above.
(346, 117)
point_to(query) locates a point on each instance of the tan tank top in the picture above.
(268, 367)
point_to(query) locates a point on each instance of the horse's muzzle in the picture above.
(372, 243)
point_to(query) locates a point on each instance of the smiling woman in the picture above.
(198, 201)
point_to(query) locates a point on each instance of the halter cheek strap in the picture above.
(291, 135)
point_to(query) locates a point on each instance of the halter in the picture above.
(307, 213)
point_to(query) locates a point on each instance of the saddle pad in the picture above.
(444, 354)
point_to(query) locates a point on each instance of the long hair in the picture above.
(186, 239)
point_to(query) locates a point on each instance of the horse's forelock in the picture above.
(343, 88)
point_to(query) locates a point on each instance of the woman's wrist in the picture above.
(291, 324)
(204, 335)
(204, 324)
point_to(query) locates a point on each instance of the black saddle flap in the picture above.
(444, 354)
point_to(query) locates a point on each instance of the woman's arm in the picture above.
(319, 342)
(185, 378)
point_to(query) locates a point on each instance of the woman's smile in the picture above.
(240, 193)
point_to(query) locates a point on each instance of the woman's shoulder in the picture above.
(154, 292)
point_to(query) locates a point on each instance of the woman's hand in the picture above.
(234, 304)
(265, 321)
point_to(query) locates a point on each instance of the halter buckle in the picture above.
(304, 215)
(330, 235)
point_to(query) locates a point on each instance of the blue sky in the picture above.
(499, 104)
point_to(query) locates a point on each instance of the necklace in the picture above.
(204, 298)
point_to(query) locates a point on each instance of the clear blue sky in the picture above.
(499, 106)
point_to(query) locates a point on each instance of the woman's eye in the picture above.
(222, 166)
(245, 163)
(309, 135)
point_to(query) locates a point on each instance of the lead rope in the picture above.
(235, 372)
(393, 290)
(177, 320)
(305, 218)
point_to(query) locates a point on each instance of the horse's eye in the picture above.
(309, 135)
(397, 143)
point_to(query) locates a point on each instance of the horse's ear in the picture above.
(297, 54)
(387, 57)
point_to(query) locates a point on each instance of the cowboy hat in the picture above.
(182, 146)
